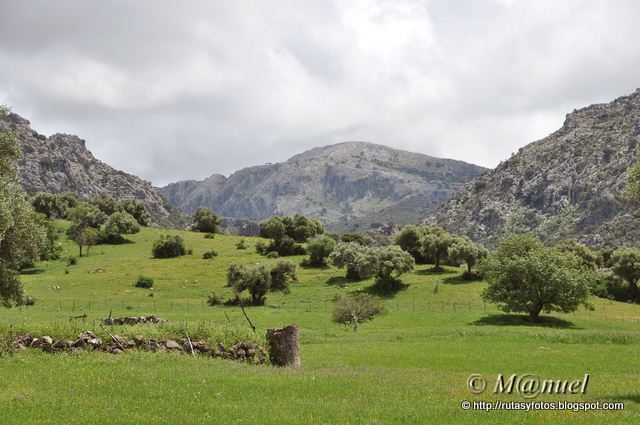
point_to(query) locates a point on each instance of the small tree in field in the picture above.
(389, 263)
(356, 308)
(85, 220)
(435, 244)
(357, 259)
(525, 276)
(168, 247)
(626, 265)
(319, 250)
(260, 279)
(409, 238)
(121, 223)
(206, 221)
(463, 250)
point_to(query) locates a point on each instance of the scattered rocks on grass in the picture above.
(250, 352)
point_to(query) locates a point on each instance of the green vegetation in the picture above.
(260, 279)
(356, 308)
(144, 282)
(206, 221)
(287, 234)
(408, 366)
(319, 250)
(525, 276)
(168, 247)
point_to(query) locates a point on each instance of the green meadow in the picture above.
(409, 366)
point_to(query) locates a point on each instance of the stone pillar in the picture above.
(284, 346)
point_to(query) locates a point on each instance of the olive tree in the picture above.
(319, 250)
(389, 263)
(21, 237)
(121, 223)
(463, 250)
(356, 308)
(85, 219)
(260, 279)
(357, 259)
(626, 265)
(435, 243)
(409, 239)
(525, 276)
(205, 220)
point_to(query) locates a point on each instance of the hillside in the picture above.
(62, 162)
(568, 184)
(347, 186)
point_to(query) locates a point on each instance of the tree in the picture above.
(409, 238)
(272, 229)
(525, 276)
(360, 238)
(435, 243)
(389, 263)
(106, 204)
(355, 258)
(21, 236)
(84, 217)
(302, 228)
(168, 247)
(260, 279)
(590, 258)
(463, 250)
(319, 250)
(137, 210)
(45, 203)
(206, 221)
(121, 223)
(626, 264)
(356, 308)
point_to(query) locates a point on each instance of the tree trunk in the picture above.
(534, 315)
(284, 346)
(469, 269)
(437, 261)
(355, 326)
(80, 246)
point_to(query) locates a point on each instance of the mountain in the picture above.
(61, 163)
(349, 185)
(568, 184)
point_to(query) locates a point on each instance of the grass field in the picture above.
(410, 366)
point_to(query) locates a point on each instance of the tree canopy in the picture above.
(525, 276)
(205, 220)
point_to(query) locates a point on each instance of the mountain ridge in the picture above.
(340, 184)
(566, 185)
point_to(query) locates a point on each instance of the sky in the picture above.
(175, 90)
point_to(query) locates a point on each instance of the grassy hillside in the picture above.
(410, 366)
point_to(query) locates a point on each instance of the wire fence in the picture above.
(74, 309)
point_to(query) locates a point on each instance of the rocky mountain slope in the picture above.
(347, 186)
(62, 163)
(568, 184)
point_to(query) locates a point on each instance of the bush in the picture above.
(214, 300)
(29, 301)
(262, 248)
(241, 245)
(260, 279)
(209, 255)
(209, 235)
(273, 254)
(190, 251)
(72, 260)
(144, 282)
(205, 220)
(168, 247)
(319, 250)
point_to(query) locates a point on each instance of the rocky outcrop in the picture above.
(346, 186)
(568, 184)
(62, 163)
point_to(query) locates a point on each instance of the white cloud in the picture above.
(175, 90)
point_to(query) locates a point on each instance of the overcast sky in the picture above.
(173, 90)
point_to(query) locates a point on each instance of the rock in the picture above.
(139, 340)
(116, 351)
(172, 345)
(94, 342)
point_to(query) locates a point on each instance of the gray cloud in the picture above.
(178, 90)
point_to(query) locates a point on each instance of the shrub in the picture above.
(214, 300)
(209, 235)
(241, 245)
(319, 250)
(209, 254)
(260, 279)
(29, 301)
(72, 260)
(205, 220)
(262, 248)
(190, 251)
(144, 282)
(272, 254)
(168, 247)
(121, 223)
(356, 308)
